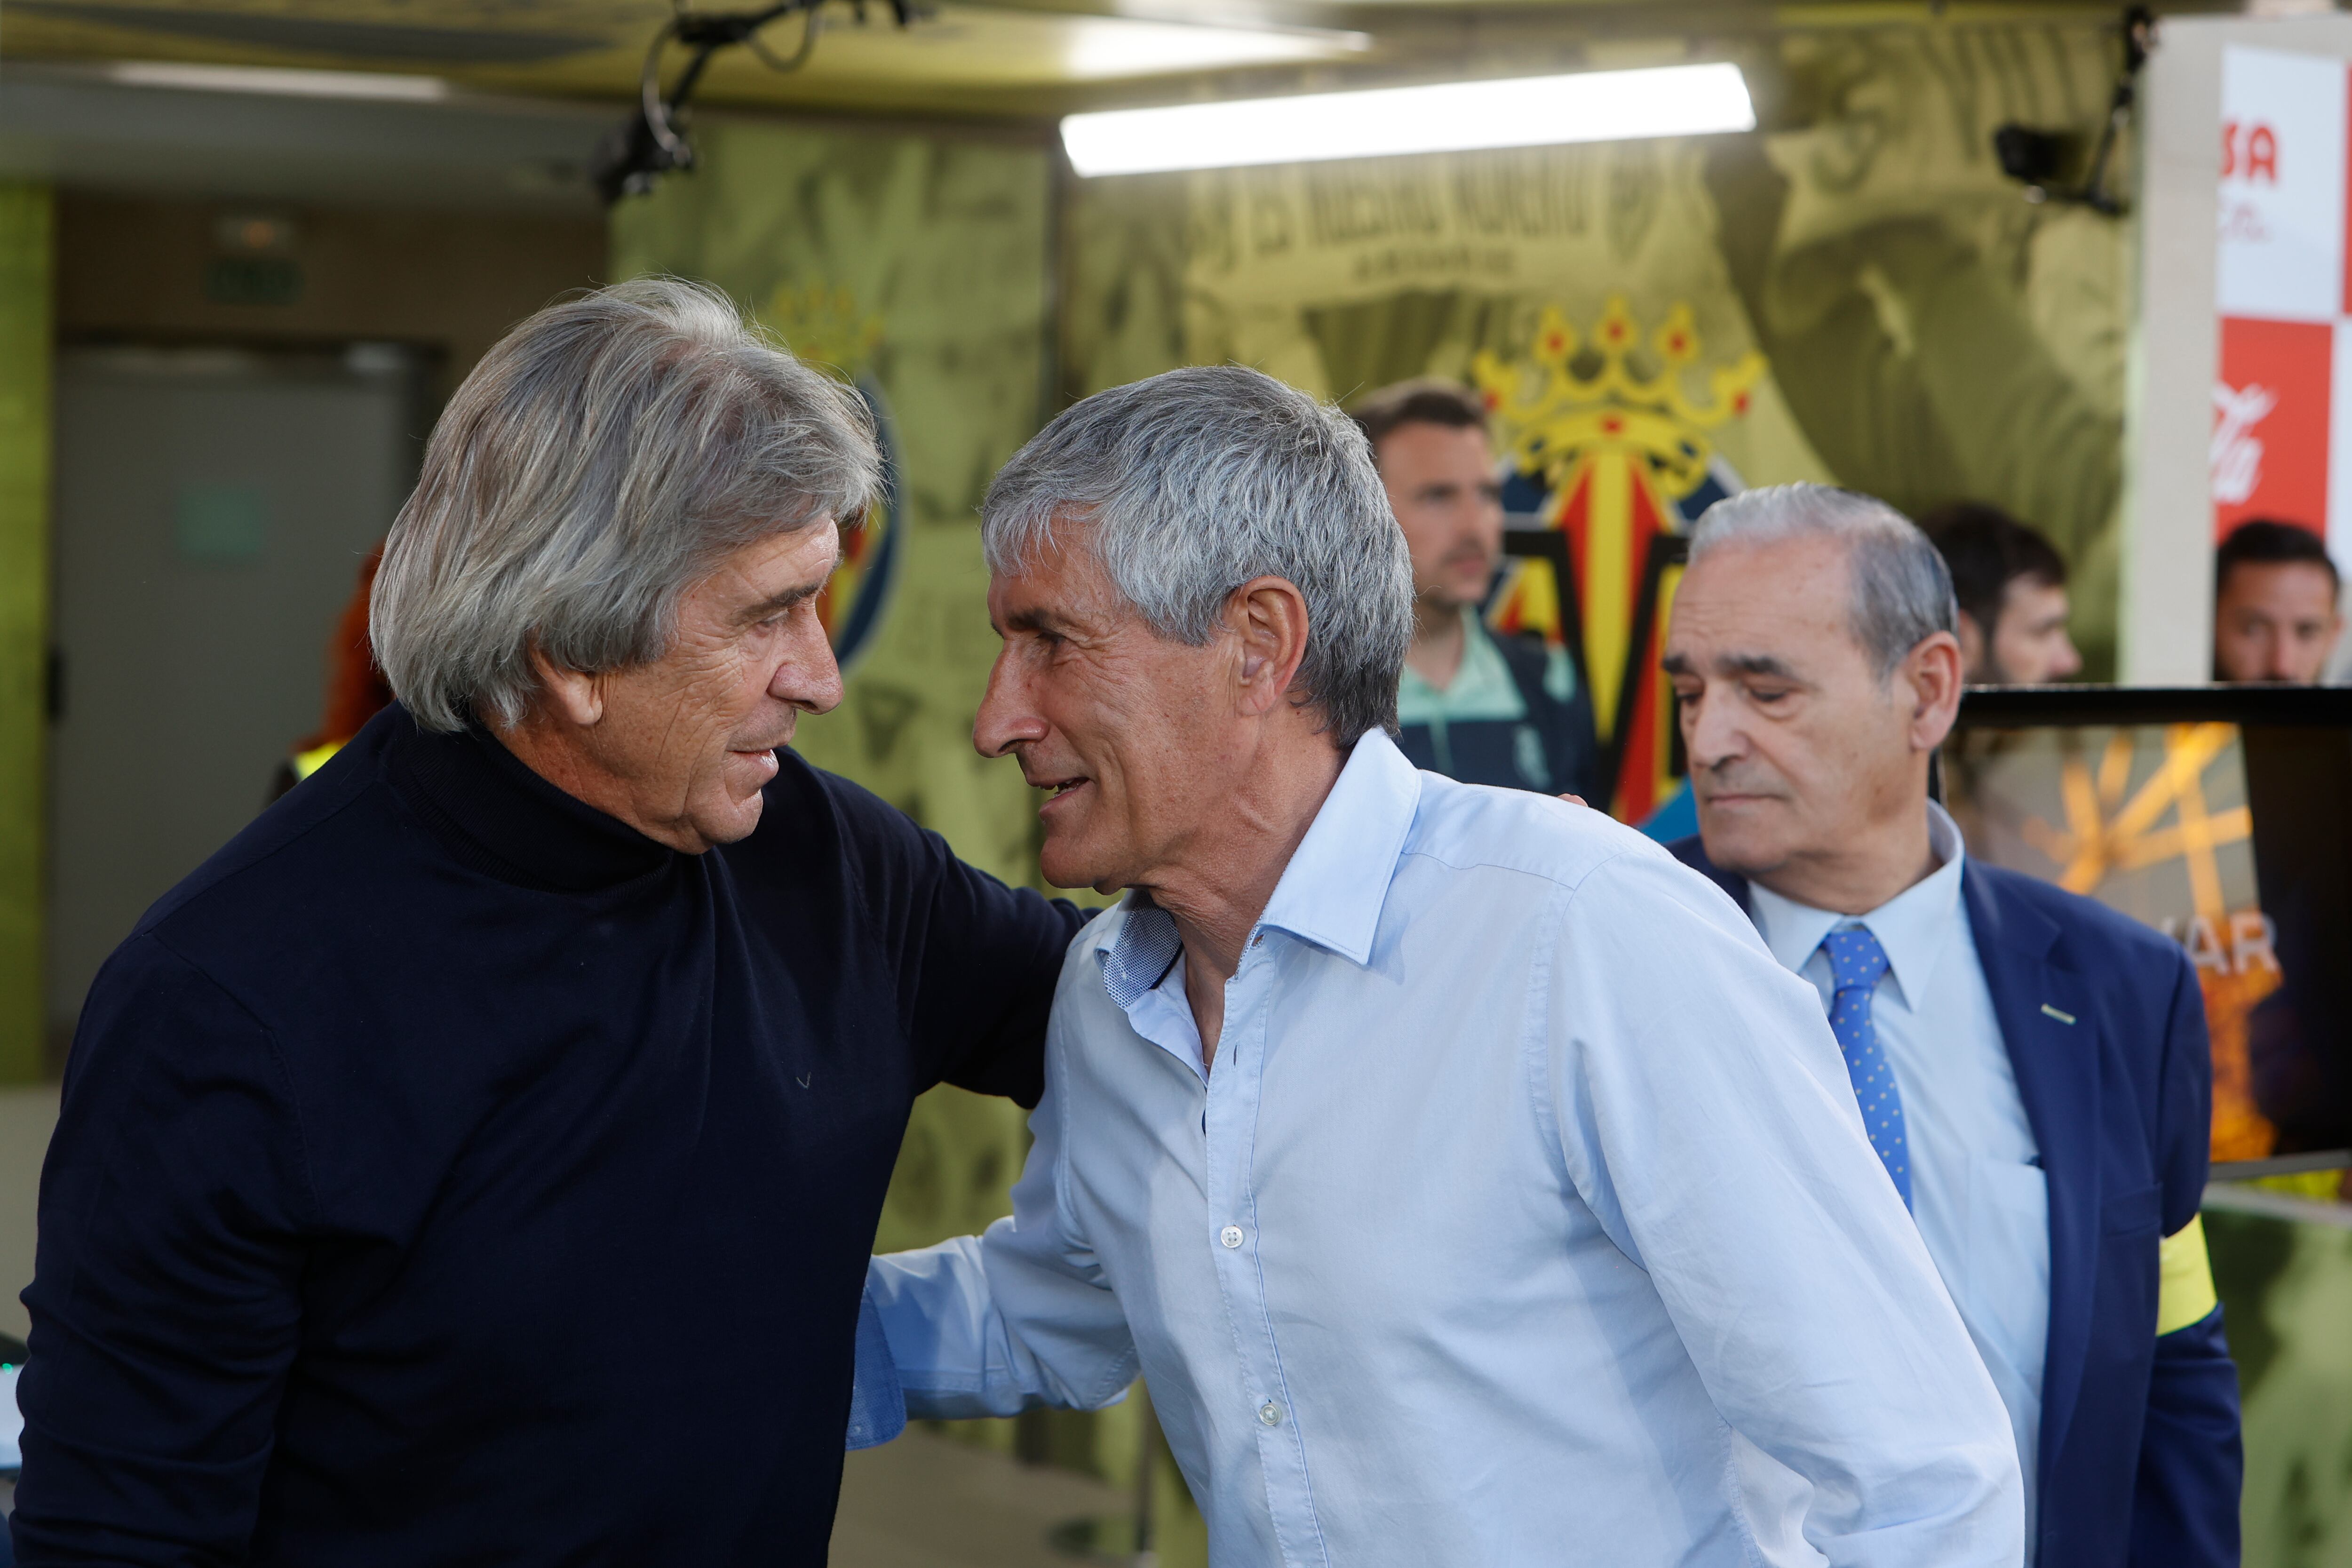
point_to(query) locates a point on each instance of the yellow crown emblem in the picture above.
(1571, 397)
(823, 327)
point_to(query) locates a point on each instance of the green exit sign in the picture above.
(220, 525)
(253, 281)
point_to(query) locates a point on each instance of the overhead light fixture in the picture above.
(1449, 117)
(267, 80)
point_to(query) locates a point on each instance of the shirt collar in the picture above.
(1913, 926)
(1331, 892)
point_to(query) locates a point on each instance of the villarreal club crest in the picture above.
(1608, 455)
(825, 330)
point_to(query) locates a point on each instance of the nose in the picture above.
(1006, 718)
(1484, 522)
(810, 676)
(1711, 732)
(2269, 655)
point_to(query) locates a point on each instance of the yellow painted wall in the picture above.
(26, 249)
(1931, 336)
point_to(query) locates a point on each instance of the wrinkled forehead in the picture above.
(1055, 583)
(769, 572)
(1786, 601)
(2282, 587)
(1423, 444)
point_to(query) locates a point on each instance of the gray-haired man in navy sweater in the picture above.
(478, 1158)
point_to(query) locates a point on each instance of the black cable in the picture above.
(2137, 27)
(637, 153)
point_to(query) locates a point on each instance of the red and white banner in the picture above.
(2283, 400)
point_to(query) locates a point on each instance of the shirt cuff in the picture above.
(877, 1404)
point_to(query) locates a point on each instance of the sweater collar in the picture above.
(499, 817)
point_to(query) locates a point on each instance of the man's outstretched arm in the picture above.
(1021, 1316)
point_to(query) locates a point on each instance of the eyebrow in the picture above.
(1037, 618)
(1762, 663)
(1755, 664)
(776, 604)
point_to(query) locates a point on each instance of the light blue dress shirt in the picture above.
(1525, 1218)
(1977, 1186)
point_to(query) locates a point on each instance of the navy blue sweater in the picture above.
(450, 1175)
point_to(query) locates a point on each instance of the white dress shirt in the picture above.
(1526, 1213)
(1977, 1186)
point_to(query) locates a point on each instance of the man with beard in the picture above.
(2274, 615)
(1471, 704)
(2010, 583)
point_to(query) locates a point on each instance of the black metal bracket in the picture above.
(2033, 157)
(635, 155)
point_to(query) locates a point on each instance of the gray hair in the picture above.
(1902, 589)
(602, 458)
(1192, 483)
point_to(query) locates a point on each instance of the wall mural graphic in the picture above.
(1605, 443)
(826, 328)
(1915, 328)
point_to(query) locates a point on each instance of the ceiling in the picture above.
(501, 104)
(1003, 60)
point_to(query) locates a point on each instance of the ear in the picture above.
(1267, 616)
(571, 695)
(1930, 677)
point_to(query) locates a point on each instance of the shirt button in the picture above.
(1269, 1414)
(1231, 1236)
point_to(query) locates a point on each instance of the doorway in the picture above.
(213, 507)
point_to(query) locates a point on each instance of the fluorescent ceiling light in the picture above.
(281, 83)
(1451, 117)
(1107, 47)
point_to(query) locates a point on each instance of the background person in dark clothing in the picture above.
(509, 1108)
(2011, 586)
(2274, 615)
(1472, 705)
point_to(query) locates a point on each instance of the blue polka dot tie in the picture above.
(1856, 962)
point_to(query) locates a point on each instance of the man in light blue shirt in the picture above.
(2032, 1068)
(1465, 1178)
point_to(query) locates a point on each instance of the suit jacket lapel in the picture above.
(2056, 1062)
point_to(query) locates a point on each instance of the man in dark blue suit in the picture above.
(2032, 1066)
